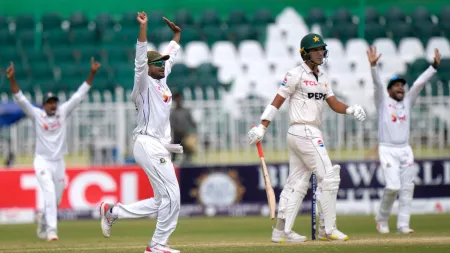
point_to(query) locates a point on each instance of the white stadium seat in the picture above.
(385, 46)
(223, 51)
(196, 53)
(440, 43)
(410, 49)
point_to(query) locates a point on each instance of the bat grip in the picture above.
(260, 150)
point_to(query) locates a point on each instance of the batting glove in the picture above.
(256, 134)
(357, 111)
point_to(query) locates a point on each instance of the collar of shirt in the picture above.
(308, 69)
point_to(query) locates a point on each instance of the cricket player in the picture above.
(396, 156)
(152, 148)
(51, 146)
(307, 88)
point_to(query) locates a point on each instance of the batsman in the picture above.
(308, 89)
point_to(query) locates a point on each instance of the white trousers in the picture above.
(396, 163)
(307, 153)
(50, 175)
(154, 158)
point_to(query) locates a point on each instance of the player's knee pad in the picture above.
(291, 196)
(332, 179)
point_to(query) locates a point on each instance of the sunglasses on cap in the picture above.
(158, 63)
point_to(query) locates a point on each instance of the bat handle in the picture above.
(260, 150)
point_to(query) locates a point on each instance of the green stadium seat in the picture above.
(78, 20)
(210, 18)
(118, 54)
(4, 23)
(341, 16)
(41, 70)
(84, 53)
(190, 33)
(421, 14)
(82, 37)
(128, 19)
(9, 53)
(444, 21)
(179, 70)
(374, 31)
(212, 34)
(209, 83)
(237, 17)
(6, 39)
(316, 16)
(398, 31)
(55, 37)
(62, 54)
(26, 39)
(395, 15)
(372, 16)
(104, 21)
(129, 35)
(125, 82)
(25, 85)
(163, 34)
(24, 22)
(263, 17)
(440, 88)
(155, 20)
(51, 21)
(33, 56)
(445, 64)
(344, 32)
(241, 33)
(205, 70)
(425, 30)
(183, 17)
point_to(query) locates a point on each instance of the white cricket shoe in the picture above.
(335, 235)
(52, 236)
(159, 248)
(281, 236)
(405, 230)
(383, 227)
(41, 230)
(107, 219)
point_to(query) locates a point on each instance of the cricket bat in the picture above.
(269, 189)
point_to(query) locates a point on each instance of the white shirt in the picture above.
(51, 141)
(152, 98)
(394, 117)
(306, 95)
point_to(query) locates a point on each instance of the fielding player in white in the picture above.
(307, 89)
(396, 156)
(152, 148)
(51, 146)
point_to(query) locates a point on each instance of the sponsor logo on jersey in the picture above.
(54, 126)
(284, 81)
(316, 95)
(310, 83)
(320, 142)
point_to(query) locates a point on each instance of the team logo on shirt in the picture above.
(398, 118)
(320, 143)
(162, 161)
(284, 81)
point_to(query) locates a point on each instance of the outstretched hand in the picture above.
(10, 71)
(437, 58)
(372, 55)
(94, 65)
(172, 26)
(142, 18)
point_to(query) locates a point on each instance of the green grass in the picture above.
(230, 234)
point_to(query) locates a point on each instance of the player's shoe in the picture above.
(107, 219)
(52, 236)
(405, 230)
(383, 227)
(41, 230)
(335, 235)
(159, 248)
(281, 236)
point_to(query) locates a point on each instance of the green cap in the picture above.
(310, 41)
(153, 56)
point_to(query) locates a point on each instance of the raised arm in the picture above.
(418, 85)
(378, 85)
(173, 47)
(140, 62)
(68, 106)
(29, 109)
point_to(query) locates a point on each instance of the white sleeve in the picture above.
(140, 68)
(288, 86)
(172, 50)
(378, 86)
(418, 85)
(68, 106)
(30, 110)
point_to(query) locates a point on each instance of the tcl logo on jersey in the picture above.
(310, 83)
(316, 96)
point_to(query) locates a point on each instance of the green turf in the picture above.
(231, 234)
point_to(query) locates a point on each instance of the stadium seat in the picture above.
(128, 20)
(223, 51)
(410, 49)
(62, 54)
(344, 32)
(162, 47)
(206, 70)
(237, 17)
(395, 15)
(212, 34)
(426, 30)
(36, 56)
(392, 65)
(335, 49)
(417, 68)
(440, 43)
(179, 70)
(372, 16)
(7, 39)
(274, 34)
(9, 53)
(163, 34)
(356, 49)
(263, 17)
(240, 33)
(84, 53)
(420, 15)
(78, 20)
(341, 16)
(183, 17)
(51, 21)
(104, 21)
(398, 31)
(4, 23)
(196, 53)
(386, 47)
(26, 39)
(444, 21)
(83, 37)
(276, 51)
(55, 38)
(210, 18)
(25, 22)
(374, 31)
(339, 67)
(190, 33)
(250, 51)
(445, 64)
(316, 16)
